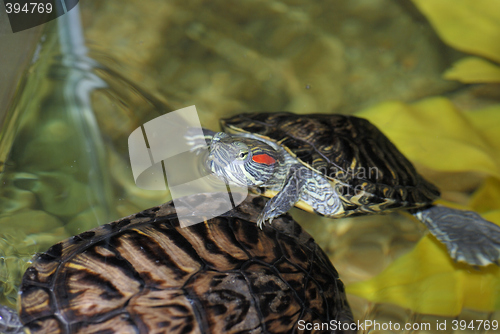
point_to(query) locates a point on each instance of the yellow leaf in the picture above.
(493, 215)
(471, 26)
(487, 121)
(487, 200)
(435, 134)
(472, 70)
(427, 281)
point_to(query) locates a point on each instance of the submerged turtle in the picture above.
(338, 166)
(145, 274)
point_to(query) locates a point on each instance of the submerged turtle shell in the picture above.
(350, 151)
(145, 274)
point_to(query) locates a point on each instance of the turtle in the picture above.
(337, 166)
(146, 274)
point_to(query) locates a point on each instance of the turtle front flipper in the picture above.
(9, 321)
(468, 237)
(286, 198)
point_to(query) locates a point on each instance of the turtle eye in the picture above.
(242, 155)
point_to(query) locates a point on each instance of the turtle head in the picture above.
(242, 161)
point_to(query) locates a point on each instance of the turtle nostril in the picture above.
(219, 136)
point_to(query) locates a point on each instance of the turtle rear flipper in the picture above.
(468, 237)
(9, 321)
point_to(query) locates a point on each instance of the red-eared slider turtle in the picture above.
(145, 274)
(338, 166)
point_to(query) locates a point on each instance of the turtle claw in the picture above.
(260, 222)
(282, 202)
(262, 219)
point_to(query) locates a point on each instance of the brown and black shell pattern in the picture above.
(145, 274)
(367, 170)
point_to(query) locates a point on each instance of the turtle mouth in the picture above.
(230, 174)
(224, 164)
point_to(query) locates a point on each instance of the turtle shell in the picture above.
(145, 274)
(350, 151)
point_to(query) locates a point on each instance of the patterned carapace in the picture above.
(145, 274)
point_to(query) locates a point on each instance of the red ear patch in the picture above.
(264, 159)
